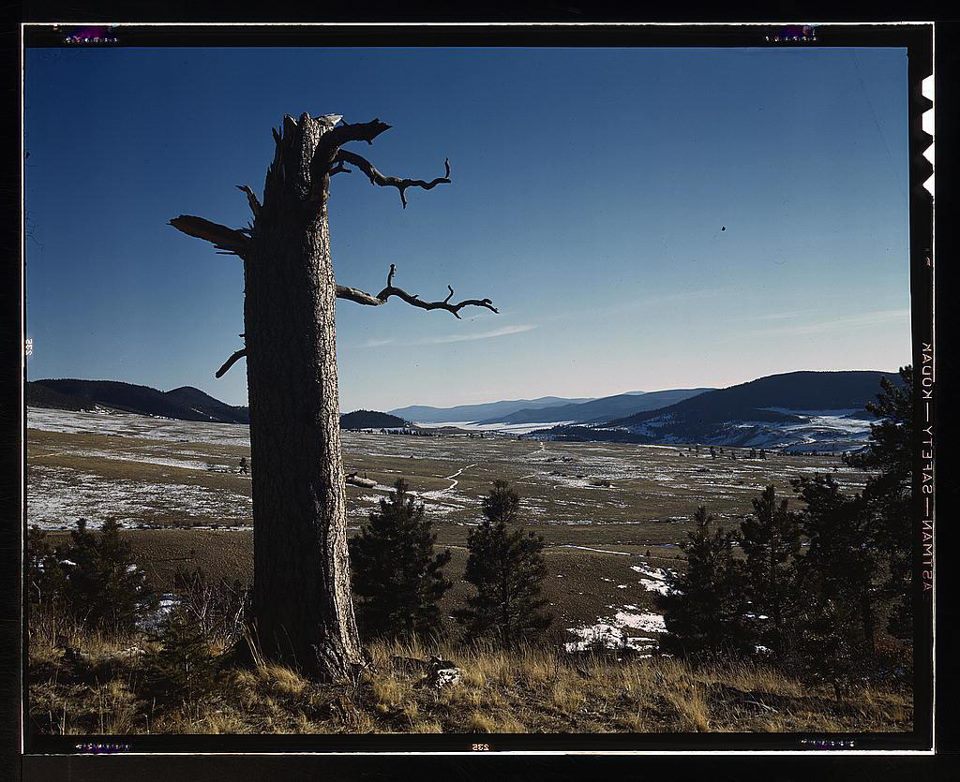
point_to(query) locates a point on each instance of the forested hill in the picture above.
(371, 419)
(185, 403)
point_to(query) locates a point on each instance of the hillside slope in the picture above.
(371, 419)
(39, 395)
(773, 398)
(185, 403)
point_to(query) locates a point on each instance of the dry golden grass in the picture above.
(219, 722)
(478, 722)
(388, 694)
(428, 726)
(565, 697)
(693, 713)
(533, 690)
(282, 679)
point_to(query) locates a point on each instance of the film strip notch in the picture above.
(928, 125)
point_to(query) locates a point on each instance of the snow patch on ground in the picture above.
(597, 550)
(645, 622)
(133, 425)
(612, 633)
(654, 579)
(154, 621)
(186, 464)
(508, 428)
(571, 522)
(57, 497)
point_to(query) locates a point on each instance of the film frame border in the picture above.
(917, 39)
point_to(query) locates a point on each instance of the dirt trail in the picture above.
(435, 494)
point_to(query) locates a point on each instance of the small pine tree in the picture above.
(704, 610)
(397, 578)
(770, 541)
(103, 586)
(182, 668)
(506, 567)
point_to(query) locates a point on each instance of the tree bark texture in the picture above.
(302, 603)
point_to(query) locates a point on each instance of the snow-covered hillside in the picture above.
(826, 430)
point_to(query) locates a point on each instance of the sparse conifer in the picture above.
(182, 668)
(506, 567)
(704, 611)
(94, 577)
(770, 541)
(397, 578)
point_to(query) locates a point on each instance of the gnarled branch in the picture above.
(382, 180)
(231, 361)
(251, 199)
(331, 141)
(227, 239)
(358, 131)
(362, 297)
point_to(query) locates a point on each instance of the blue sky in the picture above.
(590, 192)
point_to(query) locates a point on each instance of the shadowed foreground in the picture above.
(97, 686)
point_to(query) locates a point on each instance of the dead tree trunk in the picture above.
(302, 604)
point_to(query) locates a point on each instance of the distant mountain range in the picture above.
(797, 411)
(495, 411)
(794, 411)
(599, 410)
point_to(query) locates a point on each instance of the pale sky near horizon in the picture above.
(643, 218)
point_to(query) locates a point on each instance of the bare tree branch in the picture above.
(360, 131)
(331, 141)
(362, 297)
(340, 168)
(358, 296)
(223, 238)
(251, 199)
(231, 361)
(377, 178)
